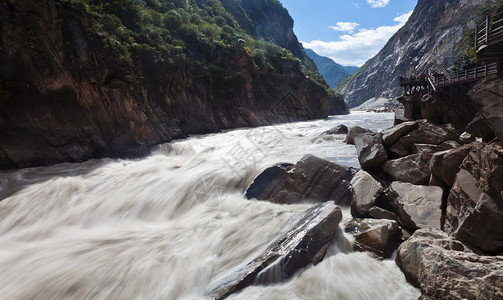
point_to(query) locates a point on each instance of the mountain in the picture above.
(329, 69)
(432, 37)
(83, 79)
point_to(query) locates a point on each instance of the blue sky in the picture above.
(348, 31)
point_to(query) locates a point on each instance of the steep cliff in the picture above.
(431, 37)
(90, 78)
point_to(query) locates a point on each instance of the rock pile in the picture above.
(420, 183)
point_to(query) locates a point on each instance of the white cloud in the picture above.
(345, 26)
(378, 3)
(355, 49)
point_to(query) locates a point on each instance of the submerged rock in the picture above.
(444, 268)
(417, 206)
(310, 179)
(339, 129)
(371, 152)
(380, 237)
(364, 192)
(305, 243)
(475, 205)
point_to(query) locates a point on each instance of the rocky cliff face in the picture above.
(69, 93)
(431, 38)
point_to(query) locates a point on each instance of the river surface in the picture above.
(170, 225)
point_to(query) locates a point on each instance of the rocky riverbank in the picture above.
(425, 189)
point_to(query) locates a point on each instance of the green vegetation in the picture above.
(165, 34)
(467, 55)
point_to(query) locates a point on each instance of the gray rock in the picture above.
(445, 164)
(353, 132)
(478, 128)
(306, 242)
(408, 169)
(487, 95)
(310, 179)
(391, 135)
(398, 150)
(474, 212)
(428, 133)
(371, 152)
(444, 268)
(380, 237)
(417, 206)
(364, 192)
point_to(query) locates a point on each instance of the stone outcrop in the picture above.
(305, 243)
(364, 192)
(353, 132)
(475, 204)
(380, 237)
(444, 268)
(370, 150)
(310, 179)
(410, 169)
(417, 206)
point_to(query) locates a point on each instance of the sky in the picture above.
(348, 31)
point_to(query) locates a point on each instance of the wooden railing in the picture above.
(440, 80)
(489, 31)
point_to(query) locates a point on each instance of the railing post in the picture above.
(476, 36)
(466, 74)
(487, 28)
(485, 70)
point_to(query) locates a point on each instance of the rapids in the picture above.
(169, 225)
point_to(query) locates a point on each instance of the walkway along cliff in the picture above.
(457, 98)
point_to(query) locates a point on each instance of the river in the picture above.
(169, 225)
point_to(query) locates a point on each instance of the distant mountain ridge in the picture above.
(329, 69)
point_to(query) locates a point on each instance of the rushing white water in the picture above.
(169, 225)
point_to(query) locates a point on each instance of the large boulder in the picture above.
(417, 206)
(410, 169)
(487, 96)
(478, 128)
(353, 132)
(305, 243)
(370, 150)
(445, 164)
(444, 268)
(428, 133)
(474, 211)
(339, 129)
(391, 135)
(364, 192)
(380, 237)
(427, 150)
(310, 179)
